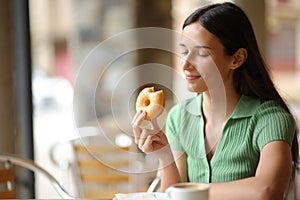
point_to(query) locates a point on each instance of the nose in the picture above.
(185, 64)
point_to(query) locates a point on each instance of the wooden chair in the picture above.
(8, 188)
(155, 184)
(7, 179)
(102, 167)
(99, 168)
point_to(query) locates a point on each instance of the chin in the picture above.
(196, 89)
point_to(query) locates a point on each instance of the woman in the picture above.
(251, 147)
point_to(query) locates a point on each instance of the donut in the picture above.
(151, 101)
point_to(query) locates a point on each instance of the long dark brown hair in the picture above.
(230, 24)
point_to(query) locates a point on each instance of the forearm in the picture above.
(250, 188)
(168, 170)
(270, 181)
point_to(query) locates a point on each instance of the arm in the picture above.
(173, 172)
(270, 181)
(155, 142)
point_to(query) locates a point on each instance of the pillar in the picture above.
(153, 13)
(7, 103)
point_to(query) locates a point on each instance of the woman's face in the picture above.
(203, 59)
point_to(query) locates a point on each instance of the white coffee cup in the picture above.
(188, 191)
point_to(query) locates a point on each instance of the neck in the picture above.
(218, 104)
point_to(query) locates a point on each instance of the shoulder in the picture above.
(273, 122)
(189, 106)
(272, 111)
(184, 111)
(259, 109)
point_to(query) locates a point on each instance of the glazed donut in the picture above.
(151, 101)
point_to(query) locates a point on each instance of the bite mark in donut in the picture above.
(151, 101)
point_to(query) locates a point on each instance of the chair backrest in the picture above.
(7, 176)
(103, 164)
(7, 179)
(96, 179)
(155, 184)
(102, 168)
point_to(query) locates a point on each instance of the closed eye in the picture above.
(202, 51)
(183, 49)
(203, 54)
(184, 53)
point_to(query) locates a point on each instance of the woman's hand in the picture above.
(154, 141)
(148, 140)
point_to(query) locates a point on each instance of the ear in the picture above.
(239, 58)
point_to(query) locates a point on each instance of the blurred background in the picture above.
(46, 93)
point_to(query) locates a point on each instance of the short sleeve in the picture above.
(172, 128)
(273, 123)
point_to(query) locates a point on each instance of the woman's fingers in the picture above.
(136, 132)
(152, 144)
(144, 137)
(148, 140)
(141, 140)
(154, 124)
(136, 122)
(137, 114)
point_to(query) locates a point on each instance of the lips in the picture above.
(190, 77)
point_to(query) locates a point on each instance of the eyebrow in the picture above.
(197, 46)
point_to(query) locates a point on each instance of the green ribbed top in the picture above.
(252, 125)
